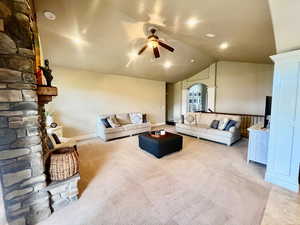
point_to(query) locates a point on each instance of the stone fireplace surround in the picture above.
(27, 198)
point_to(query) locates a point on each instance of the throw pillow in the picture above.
(223, 123)
(182, 118)
(112, 120)
(145, 118)
(136, 118)
(50, 143)
(214, 124)
(56, 139)
(230, 124)
(105, 123)
(190, 119)
(123, 118)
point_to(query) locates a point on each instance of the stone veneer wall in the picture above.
(63, 193)
(21, 166)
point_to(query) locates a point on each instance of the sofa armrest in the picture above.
(100, 129)
(99, 122)
(234, 130)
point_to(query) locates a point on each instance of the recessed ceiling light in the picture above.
(192, 22)
(192, 60)
(77, 40)
(167, 64)
(209, 35)
(224, 45)
(49, 15)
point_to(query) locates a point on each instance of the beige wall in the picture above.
(286, 22)
(235, 87)
(243, 87)
(206, 76)
(83, 95)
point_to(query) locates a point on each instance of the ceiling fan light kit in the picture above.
(154, 43)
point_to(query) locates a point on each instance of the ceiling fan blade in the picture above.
(156, 52)
(166, 46)
(142, 50)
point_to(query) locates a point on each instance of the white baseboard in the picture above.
(157, 124)
(85, 137)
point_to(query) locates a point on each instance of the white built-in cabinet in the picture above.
(284, 144)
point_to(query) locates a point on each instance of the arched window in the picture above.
(197, 98)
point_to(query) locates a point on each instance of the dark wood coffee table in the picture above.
(162, 145)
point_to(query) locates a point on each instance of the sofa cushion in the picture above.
(182, 125)
(135, 126)
(206, 118)
(194, 127)
(201, 128)
(113, 130)
(123, 118)
(217, 132)
(136, 118)
(186, 126)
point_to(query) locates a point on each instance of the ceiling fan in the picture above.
(154, 42)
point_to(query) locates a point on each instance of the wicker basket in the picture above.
(64, 164)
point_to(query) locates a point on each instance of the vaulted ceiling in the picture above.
(101, 35)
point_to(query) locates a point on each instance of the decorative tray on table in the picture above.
(157, 134)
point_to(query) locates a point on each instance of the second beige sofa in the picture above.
(200, 127)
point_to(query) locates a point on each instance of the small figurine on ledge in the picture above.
(47, 72)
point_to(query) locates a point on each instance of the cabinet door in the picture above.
(262, 150)
(281, 169)
(295, 168)
(258, 146)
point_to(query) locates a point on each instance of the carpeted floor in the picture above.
(204, 184)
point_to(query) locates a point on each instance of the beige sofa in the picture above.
(200, 127)
(127, 127)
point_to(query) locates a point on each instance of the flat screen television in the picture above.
(268, 110)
